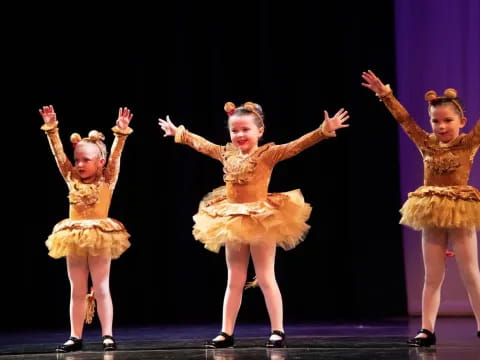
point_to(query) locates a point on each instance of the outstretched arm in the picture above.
(384, 93)
(50, 127)
(121, 130)
(196, 142)
(327, 129)
(474, 135)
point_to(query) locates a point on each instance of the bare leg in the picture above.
(434, 245)
(77, 269)
(100, 272)
(237, 258)
(263, 257)
(464, 242)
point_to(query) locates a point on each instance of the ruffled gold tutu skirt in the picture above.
(446, 207)
(280, 219)
(96, 237)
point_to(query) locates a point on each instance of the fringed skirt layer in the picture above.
(280, 219)
(95, 237)
(446, 207)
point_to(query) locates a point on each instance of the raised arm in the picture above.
(121, 130)
(196, 142)
(385, 94)
(50, 127)
(327, 129)
(474, 135)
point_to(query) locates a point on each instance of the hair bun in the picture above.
(229, 107)
(75, 138)
(95, 135)
(250, 106)
(430, 95)
(450, 93)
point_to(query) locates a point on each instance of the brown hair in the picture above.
(245, 109)
(449, 97)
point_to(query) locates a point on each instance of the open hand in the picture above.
(337, 121)
(167, 126)
(48, 114)
(124, 118)
(374, 83)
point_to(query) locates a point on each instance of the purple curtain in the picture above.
(437, 47)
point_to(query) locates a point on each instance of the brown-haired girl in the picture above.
(243, 216)
(445, 208)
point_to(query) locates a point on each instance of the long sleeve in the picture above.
(411, 128)
(473, 137)
(292, 148)
(183, 136)
(113, 166)
(63, 163)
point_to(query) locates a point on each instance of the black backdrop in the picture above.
(186, 60)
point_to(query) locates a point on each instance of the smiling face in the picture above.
(446, 122)
(244, 132)
(88, 161)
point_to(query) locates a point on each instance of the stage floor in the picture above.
(456, 340)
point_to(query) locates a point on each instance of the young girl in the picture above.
(243, 216)
(89, 239)
(445, 208)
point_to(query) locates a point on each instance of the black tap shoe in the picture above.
(109, 346)
(75, 345)
(276, 343)
(430, 340)
(227, 342)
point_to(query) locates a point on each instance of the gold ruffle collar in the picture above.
(83, 195)
(237, 167)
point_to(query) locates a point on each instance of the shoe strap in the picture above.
(426, 332)
(279, 333)
(225, 335)
(74, 339)
(108, 337)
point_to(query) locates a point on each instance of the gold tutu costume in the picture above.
(445, 200)
(88, 230)
(242, 211)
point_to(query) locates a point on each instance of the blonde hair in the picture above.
(94, 137)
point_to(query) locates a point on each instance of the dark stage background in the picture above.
(186, 60)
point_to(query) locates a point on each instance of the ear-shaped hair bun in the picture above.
(450, 93)
(95, 135)
(430, 95)
(229, 108)
(75, 138)
(250, 106)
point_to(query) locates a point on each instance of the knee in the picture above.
(78, 292)
(433, 281)
(266, 282)
(471, 276)
(102, 292)
(236, 284)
